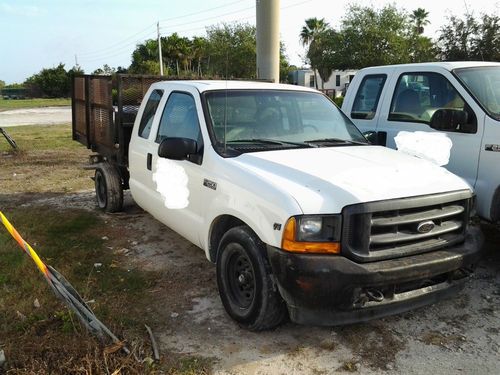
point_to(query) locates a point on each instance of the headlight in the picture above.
(312, 234)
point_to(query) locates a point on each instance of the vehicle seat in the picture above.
(269, 122)
(408, 101)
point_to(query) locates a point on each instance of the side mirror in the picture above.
(376, 138)
(371, 137)
(451, 120)
(177, 148)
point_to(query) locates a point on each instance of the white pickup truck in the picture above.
(301, 215)
(459, 99)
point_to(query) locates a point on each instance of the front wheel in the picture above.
(245, 286)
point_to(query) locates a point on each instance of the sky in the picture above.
(40, 34)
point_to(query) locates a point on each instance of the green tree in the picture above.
(106, 70)
(2, 84)
(145, 58)
(309, 35)
(50, 82)
(487, 43)
(374, 37)
(457, 39)
(419, 17)
(232, 51)
(369, 37)
(470, 38)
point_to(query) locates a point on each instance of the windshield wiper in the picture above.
(336, 140)
(272, 142)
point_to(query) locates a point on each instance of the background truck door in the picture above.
(416, 96)
(363, 110)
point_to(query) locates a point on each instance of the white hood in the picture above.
(324, 180)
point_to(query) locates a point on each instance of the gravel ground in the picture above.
(457, 335)
(35, 116)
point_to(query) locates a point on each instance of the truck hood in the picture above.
(324, 180)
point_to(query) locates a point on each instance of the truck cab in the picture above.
(459, 99)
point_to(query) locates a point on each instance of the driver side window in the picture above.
(179, 118)
(418, 96)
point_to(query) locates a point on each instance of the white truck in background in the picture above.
(460, 99)
(302, 217)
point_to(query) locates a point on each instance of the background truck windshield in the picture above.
(484, 84)
(286, 116)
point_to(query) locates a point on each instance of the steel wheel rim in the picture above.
(241, 278)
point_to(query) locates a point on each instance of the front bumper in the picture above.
(333, 290)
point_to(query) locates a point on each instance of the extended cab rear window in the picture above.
(367, 97)
(149, 113)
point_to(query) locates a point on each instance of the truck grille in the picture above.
(400, 227)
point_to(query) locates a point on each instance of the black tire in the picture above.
(108, 188)
(246, 289)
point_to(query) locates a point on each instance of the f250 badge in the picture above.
(210, 184)
(495, 148)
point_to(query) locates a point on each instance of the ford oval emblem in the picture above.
(425, 226)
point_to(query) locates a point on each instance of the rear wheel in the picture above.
(108, 188)
(245, 286)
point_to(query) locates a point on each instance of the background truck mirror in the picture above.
(452, 120)
(177, 148)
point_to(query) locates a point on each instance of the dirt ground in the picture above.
(39, 116)
(458, 335)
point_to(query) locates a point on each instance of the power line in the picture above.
(121, 48)
(118, 52)
(127, 39)
(202, 11)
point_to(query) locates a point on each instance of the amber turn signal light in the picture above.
(289, 242)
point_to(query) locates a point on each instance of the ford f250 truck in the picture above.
(301, 215)
(458, 99)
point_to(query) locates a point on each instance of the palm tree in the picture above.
(312, 28)
(310, 32)
(419, 17)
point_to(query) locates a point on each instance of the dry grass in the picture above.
(48, 160)
(45, 337)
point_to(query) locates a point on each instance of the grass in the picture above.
(49, 339)
(8, 104)
(47, 160)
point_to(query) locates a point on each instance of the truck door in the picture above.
(179, 119)
(363, 110)
(416, 96)
(140, 153)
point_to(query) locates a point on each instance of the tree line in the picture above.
(365, 37)
(370, 37)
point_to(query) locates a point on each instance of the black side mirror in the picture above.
(376, 138)
(177, 148)
(371, 137)
(451, 120)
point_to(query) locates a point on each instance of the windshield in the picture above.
(272, 118)
(484, 84)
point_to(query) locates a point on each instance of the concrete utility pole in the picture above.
(159, 48)
(268, 39)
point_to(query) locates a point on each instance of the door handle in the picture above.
(149, 161)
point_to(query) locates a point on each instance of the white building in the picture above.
(335, 86)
